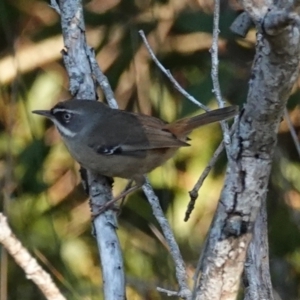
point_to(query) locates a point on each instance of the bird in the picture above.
(118, 143)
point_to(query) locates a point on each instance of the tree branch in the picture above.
(78, 61)
(184, 292)
(215, 73)
(108, 243)
(29, 264)
(183, 92)
(241, 24)
(194, 192)
(251, 155)
(176, 85)
(257, 279)
(101, 79)
(106, 221)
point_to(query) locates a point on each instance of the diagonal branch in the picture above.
(169, 75)
(29, 264)
(181, 275)
(183, 92)
(292, 130)
(194, 192)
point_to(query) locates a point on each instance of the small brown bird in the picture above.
(117, 143)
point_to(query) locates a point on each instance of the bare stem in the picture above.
(194, 192)
(181, 275)
(292, 130)
(101, 79)
(177, 86)
(215, 73)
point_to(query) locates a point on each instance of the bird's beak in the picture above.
(45, 113)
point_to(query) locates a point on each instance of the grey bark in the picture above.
(274, 71)
(257, 280)
(241, 24)
(77, 58)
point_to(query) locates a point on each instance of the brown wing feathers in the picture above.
(158, 136)
(163, 135)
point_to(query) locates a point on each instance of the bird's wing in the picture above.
(158, 135)
(131, 134)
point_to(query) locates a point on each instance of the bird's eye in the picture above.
(67, 116)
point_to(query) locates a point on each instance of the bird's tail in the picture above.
(183, 127)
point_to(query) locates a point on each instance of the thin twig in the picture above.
(101, 78)
(181, 275)
(55, 6)
(168, 292)
(177, 86)
(292, 130)
(215, 72)
(214, 51)
(194, 192)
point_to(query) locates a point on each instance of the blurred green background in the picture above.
(40, 186)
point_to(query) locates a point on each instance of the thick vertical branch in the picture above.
(257, 280)
(274, 72)
(77, 59)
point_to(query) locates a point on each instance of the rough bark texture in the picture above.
(108, 243)
(257, 281)
(77, 58)
(274, 72)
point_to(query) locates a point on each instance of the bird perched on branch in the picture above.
(117, 143)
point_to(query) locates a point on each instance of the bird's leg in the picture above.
(126, 192)
(128, 186)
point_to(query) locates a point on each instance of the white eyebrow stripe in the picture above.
(58, 109)
(55, 110)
